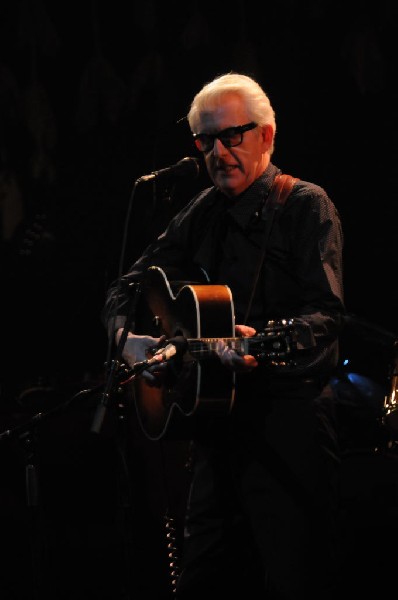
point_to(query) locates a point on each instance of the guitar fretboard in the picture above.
(204, 347)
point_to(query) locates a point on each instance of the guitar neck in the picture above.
(275, 342)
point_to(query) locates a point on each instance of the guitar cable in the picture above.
(172, 551)
(171, 523)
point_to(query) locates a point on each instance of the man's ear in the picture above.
(267, 133)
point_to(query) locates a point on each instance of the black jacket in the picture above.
(221, 239)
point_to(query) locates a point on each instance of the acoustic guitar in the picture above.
(195, 383)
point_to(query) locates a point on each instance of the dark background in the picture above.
(92, 96)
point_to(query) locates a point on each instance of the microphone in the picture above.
(186, 167)
(176, 345)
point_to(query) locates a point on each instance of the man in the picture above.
(260, 519)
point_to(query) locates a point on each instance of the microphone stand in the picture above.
(184, 167)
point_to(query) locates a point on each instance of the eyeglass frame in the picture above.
(237, 129)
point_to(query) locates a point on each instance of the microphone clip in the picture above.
(176, 346)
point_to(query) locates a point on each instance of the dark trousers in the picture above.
(262, 509)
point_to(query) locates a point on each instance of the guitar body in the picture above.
(191, 388)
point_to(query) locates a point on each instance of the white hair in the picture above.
(257, 102)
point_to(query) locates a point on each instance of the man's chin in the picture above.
(228, 182)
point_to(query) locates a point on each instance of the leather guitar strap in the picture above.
(280, 190)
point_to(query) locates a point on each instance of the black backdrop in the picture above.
(93, 95)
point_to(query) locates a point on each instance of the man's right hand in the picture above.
(137, 348)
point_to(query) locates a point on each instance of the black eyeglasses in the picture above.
(230, 137)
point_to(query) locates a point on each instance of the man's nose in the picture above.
(218, 147)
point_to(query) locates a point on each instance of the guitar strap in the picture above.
(280, 190)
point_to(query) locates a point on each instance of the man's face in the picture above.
(233, 169)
